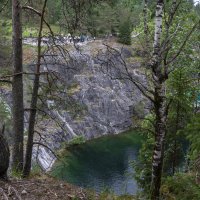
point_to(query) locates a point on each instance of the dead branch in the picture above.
(5, 81)
(4, 5)
(44, 145)
(184, 43)
(39, 14)
(10, 189)
(127, 75)
(2, 78)
(5, 197)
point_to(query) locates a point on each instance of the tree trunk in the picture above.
(4, 157)
(174, 158)
(33, 111)
(159, 79)
(31, 127)
(17, 89)
(160, 132)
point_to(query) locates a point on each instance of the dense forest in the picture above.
(89, 80)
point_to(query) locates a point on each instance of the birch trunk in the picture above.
(160, 132)
(17, 89)
(159, 105)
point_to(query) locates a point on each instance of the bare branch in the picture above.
(39, 14)
(20, 73)
(4, 5)
(127, 75)
(41, 144)
(183, 44)
(5, 197)
(5, 81)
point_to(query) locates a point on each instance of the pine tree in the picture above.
(125, 32)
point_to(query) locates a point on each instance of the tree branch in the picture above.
(4, 5)
(39, 14)
(184, 43)
(5, 81)
(44, 145)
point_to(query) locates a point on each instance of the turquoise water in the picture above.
(102, 164)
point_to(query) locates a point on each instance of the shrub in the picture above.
(77, 140)
(181, 186)
(125, 32)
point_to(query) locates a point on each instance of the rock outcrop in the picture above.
(100, 98)
(94, 96)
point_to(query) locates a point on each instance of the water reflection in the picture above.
(102, 164)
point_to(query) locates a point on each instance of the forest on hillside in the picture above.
(74, 71)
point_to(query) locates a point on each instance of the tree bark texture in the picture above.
(17, 89)
(160, 132)
(159, 105)
(4, 157)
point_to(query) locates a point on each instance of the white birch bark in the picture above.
(159, 105)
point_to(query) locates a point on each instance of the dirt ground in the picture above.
(40, 189)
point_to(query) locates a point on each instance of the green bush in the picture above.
(181, 186)
(125, 32)
(77, 140)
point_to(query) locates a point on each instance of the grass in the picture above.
(31, 31)
(73, 88)
(107, 195)
(27, 31)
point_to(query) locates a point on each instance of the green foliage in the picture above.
(30, 32)
(107, 195)
(192, 131)
(143, 165)
(54, 11)
(36, 170)
(182, 88)
(125, 30)
(5, 111)
(77, 140)
(6, 29)
(15, 173)
(182, 91)
(180, 187)
(101, 20)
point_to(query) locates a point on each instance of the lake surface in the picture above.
(102, 164)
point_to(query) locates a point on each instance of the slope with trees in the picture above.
(168, 42)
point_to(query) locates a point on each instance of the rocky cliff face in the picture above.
(94, 96)
(99, 98)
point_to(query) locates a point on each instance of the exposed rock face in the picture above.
(105, 100)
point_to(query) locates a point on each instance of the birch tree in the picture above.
(157, 69)
(159, 78)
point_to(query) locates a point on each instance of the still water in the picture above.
(102, 164)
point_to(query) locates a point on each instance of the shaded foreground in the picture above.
(48, 188)
(36, 189)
